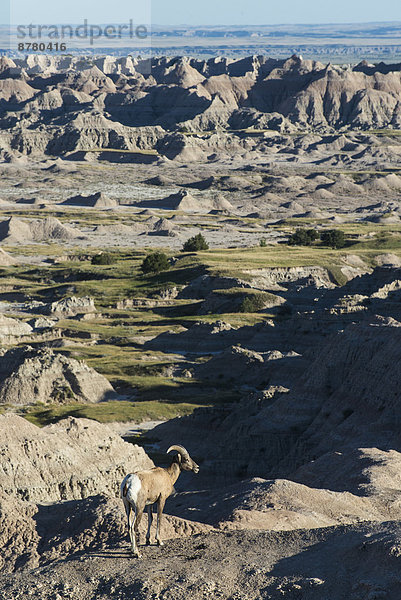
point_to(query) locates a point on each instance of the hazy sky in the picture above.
(204, 12)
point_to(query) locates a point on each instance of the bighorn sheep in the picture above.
(145, 488)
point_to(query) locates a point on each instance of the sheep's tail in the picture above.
(124, 487)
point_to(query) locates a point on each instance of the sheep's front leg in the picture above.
(135, 531)
(160, 505)
(150, 520)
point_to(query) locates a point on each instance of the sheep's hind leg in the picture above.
(128, 510)
(135, 532)
(150, 520)
(160, 506)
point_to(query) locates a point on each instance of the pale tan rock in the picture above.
(72, 306)
(72, 459)
(28, 376)
(13, 327)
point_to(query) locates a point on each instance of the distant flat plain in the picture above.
(339, 43)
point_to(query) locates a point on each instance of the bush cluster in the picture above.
(155, 263)
(252, 303)
(334, 238)
(105, 258)
(303, 237)
(196, 243)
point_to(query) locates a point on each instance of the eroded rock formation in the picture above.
(28, 375)
(145, 100)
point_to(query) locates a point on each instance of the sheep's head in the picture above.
(183, 459)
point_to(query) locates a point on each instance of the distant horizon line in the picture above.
(220, 25)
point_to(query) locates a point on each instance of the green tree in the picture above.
(303, 237)
(334, 238)
(196, 243)
(155, 263)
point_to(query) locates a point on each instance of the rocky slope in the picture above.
(320, 395)
(59, 487)
(60, 105)
(69, 460)
(303, 469)
(28, 375)
(343, 399)
(64, 546)
(15, 230)
(313, 447)
(360, 562)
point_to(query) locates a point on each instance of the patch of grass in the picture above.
(119, 354)
(33, 249)
(107, 412)
(114, 361)
(143, 374)
(253, 303)
(107, 284)
(103, 329)
(383, 240)
(248, 259)
(337, 275)
(245, 263)
(236, 291)
(245, 300)
(235, 319)
(384, 132)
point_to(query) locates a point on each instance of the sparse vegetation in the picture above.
(334, 238)
(195, 244)
(176, 328)
(253, 303)
(105, 258)
(109, 411)
(138, 373)
(303, 237)
(155, 263)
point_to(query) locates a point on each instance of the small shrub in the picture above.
(262, 243)
(102, 259)
(334, 238)
(155, 263)
(253, 303)
(303, 237)
(196, 243)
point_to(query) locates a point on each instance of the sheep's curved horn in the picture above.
(181, 450)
